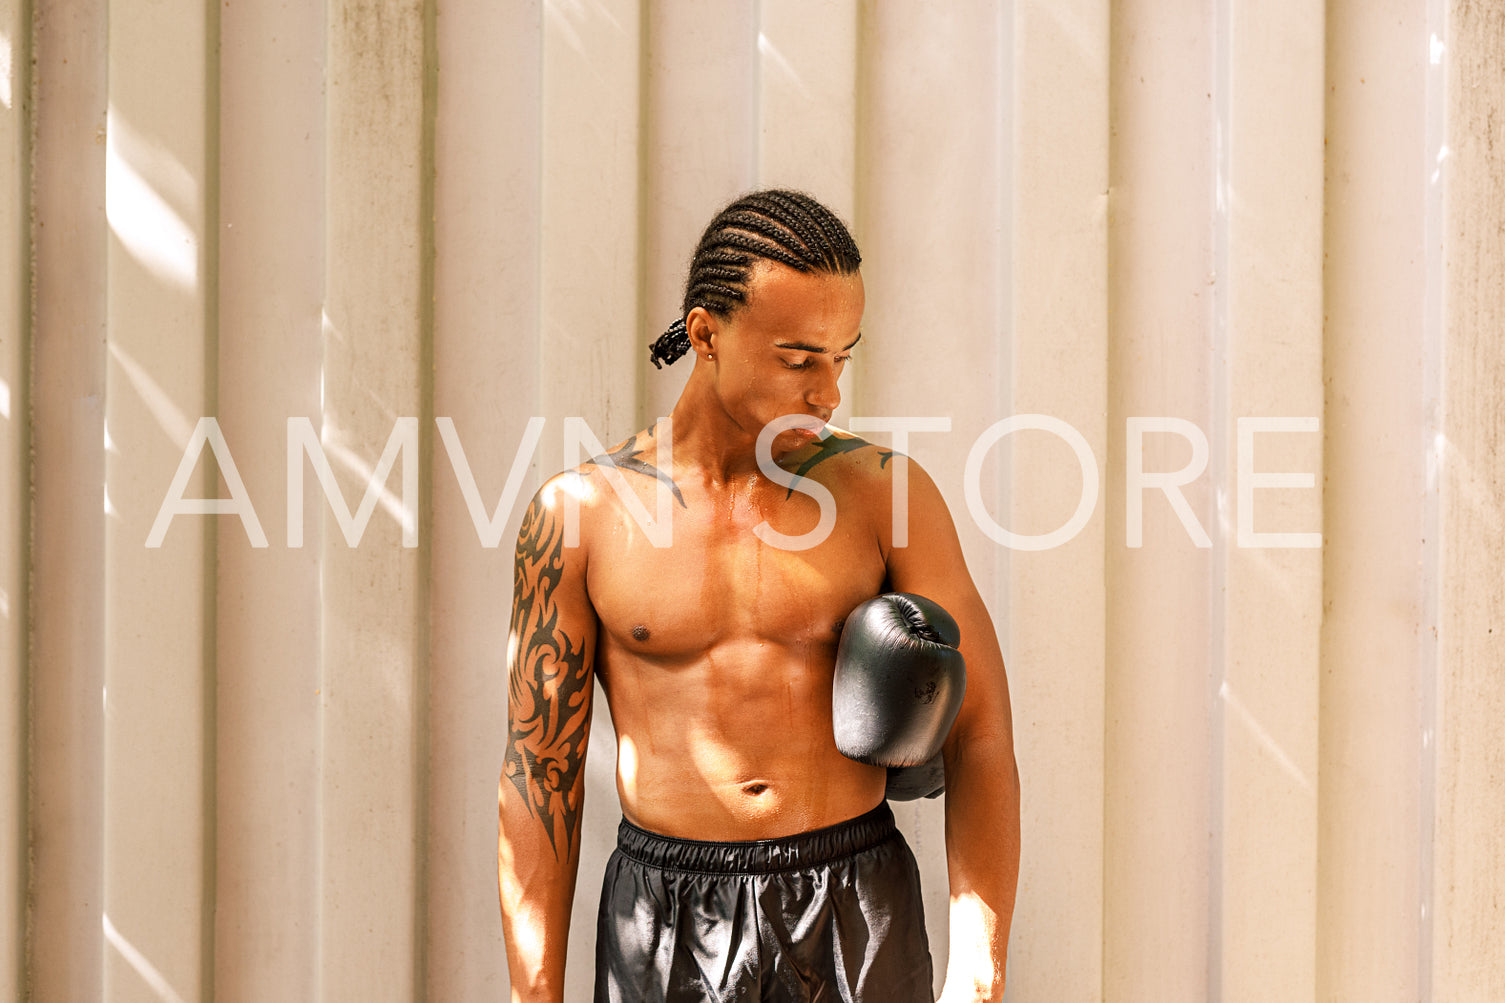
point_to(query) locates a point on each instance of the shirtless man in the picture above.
(716, 656)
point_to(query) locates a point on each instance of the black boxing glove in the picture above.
(898, 685)
(908, 783)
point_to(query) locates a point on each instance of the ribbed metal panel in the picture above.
(238, 765)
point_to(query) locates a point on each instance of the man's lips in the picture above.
(812, 427)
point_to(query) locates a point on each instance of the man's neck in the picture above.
(707, 440)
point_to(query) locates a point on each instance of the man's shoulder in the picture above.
(844, 461)
(871, 481)
(584, 488)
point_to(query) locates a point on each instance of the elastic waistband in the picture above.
(758, 856)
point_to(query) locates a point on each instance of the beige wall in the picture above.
(1250, 772)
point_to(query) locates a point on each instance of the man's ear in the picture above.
(701, 327)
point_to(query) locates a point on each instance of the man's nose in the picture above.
(824, 393)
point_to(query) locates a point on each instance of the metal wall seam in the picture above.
(373, 585)
(1433, 341)
(1219, 512)
(209, 646)
(423, 646)
(15, 499)
(65, 942)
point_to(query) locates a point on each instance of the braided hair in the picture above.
(788, 227)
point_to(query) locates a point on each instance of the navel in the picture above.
(754, 789)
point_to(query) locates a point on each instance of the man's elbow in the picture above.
(985, 758)
(985, 738)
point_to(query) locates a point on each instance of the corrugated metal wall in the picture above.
(1251, 773)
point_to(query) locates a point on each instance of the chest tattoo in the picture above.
(629, 456)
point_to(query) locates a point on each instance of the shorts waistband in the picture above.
(758, 856)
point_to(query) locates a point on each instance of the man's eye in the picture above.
(797, 365)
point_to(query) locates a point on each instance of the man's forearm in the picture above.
(550, 677)
(537, 892)
(982, 853)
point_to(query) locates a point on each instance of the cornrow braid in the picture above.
(788, 227)
(671, 345)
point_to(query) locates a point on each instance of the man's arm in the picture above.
(982, 782)
(550, 661)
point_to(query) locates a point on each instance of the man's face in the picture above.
(783, 350)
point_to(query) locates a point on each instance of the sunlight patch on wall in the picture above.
(146, 225)
(366, 474)
(1262, 736)
(776, 59)
(143, 966)
(162, 407)
(7, 69)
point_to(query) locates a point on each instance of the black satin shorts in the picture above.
(824, 916)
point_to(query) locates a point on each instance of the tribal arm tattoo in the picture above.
(549, 684)
(627, 457)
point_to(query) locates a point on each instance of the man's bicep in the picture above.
(550, 662)
(931, 562)
(932, 565)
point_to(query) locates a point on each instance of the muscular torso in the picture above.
(716, 652)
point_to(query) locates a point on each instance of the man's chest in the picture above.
(731, 577)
